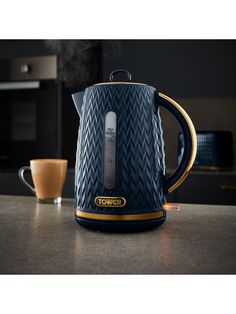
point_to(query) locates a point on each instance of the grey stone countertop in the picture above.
(45, 239)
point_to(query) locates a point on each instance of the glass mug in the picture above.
(48, 177)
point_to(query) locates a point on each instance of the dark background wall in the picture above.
(200, 74)
(182, 68)
(22, 48)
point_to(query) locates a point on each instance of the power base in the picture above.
(120, 226)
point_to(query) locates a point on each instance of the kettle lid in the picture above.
(112, 75)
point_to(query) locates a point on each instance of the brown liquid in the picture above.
(48, 177)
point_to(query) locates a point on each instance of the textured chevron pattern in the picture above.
(140, 149)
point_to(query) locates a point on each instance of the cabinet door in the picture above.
(208, 189)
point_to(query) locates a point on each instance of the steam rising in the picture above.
(77, 61)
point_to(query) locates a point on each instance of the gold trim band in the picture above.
(193, 138)
(147, 216)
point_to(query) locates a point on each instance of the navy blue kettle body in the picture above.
(120, 182)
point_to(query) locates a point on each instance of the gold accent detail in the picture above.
(210, 168)
(171, 206)
(194, 142)
(110, 83)
(147, 216)
(114, 201)
(228, 187)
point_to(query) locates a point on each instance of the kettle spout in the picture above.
(78, 101)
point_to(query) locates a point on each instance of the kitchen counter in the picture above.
(45, 239)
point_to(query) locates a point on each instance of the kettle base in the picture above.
(128, 226)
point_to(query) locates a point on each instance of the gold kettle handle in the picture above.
(190, 142)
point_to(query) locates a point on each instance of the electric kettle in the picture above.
(120, 181)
